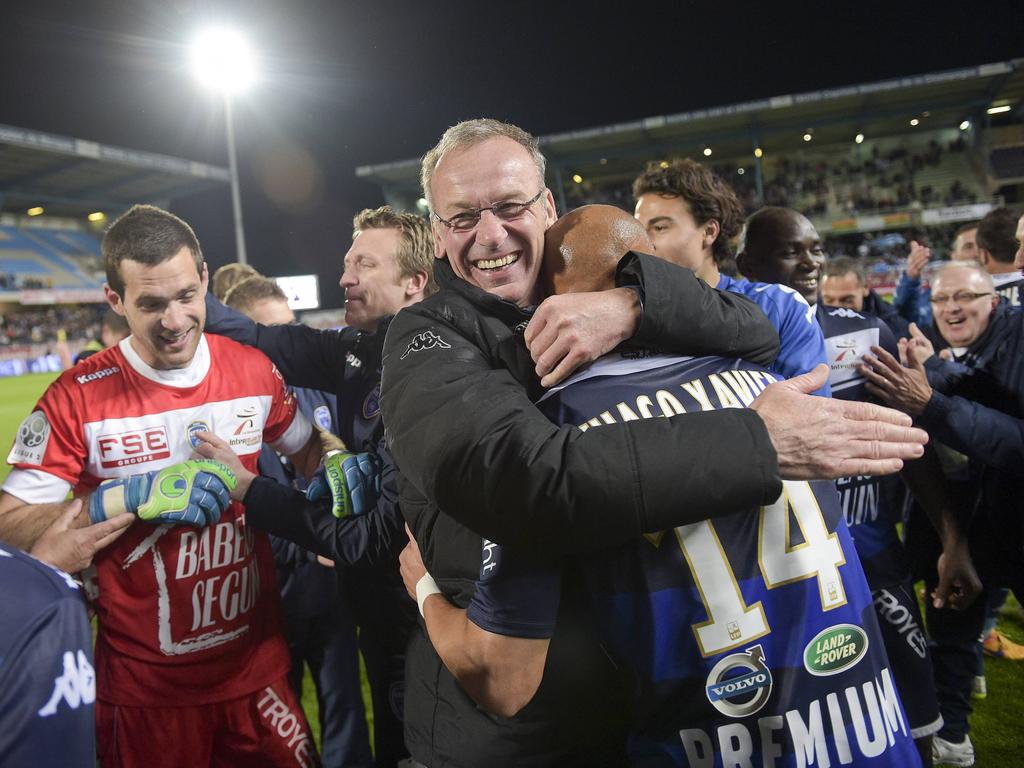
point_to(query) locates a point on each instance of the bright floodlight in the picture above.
(222, 60)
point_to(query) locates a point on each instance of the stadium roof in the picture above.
(74, 177)
(884, 108)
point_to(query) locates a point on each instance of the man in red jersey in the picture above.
(191, 665)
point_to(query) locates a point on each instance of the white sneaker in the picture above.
(947, 753)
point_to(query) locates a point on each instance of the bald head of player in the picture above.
(583, 248)
(781, 246)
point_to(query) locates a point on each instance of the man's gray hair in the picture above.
(974, 266)
(469, 133)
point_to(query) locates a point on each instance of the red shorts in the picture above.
(265, 728)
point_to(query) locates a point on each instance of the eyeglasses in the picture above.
(959, 298)
(506, 211)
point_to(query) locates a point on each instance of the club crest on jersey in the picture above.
(425, 340)
(31, 441)
(371, 405)
(322, 417)
(740, 684)
(835, 650)
(192, 428)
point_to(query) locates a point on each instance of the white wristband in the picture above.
(425, 587)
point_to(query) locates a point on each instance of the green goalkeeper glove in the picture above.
(194, 492)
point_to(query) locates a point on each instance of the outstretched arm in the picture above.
(466, 436)
(306, 357)
(679, 313)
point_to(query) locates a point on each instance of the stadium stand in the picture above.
(929, 153)
(51, 270)
(40, 258)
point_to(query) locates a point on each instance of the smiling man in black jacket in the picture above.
(477, 458)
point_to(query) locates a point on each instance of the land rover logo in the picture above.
(740, 684)
(835, 649)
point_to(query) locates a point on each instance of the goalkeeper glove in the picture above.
(352, 479)
(194, 492)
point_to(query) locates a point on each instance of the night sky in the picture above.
(345, 84)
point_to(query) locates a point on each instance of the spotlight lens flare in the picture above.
(222, 60)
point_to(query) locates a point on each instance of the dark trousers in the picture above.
(954, 635)
(386, 617)
(328, 644)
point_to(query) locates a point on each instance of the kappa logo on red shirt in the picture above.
(135, 447)
(97, 375)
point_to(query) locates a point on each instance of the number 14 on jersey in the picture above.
(818, 555)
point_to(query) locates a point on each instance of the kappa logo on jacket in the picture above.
(425, 340)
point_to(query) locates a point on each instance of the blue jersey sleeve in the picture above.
(803, 344)
(516, 595)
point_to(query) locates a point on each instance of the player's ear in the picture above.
(438, 233)
(113, 299)
(550, 212)
(711, 229)
(415, 283)
(204, 277)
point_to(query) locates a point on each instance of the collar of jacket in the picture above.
(369, 345)
(506, 311)
(991, 341)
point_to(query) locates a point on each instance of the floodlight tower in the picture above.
(222, 61)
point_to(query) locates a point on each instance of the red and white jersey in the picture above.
(187, 615)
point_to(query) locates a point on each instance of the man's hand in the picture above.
(822, 438)
(905, 388)
(917, 260)
(923, 347)
(572, 329)
(194, 492)
(417, 580)
(72, 549)
(211, 446)
(411, 564)
(958, 581)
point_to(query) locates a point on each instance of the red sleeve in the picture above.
(282, 407)
(51, 437)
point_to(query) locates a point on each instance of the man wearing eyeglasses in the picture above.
(457, 391)
(973, 404)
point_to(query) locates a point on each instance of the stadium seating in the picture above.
(42, 258)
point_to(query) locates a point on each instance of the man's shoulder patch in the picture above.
(425, 340)
(31, 441)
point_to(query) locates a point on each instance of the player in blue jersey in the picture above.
(47, 683)
(691, 214)
(870, 504)
(749, 640)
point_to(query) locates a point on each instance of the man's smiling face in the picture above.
(501, 254)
